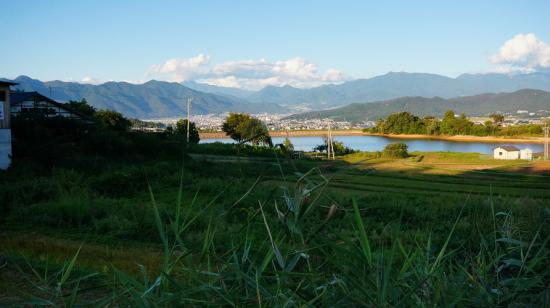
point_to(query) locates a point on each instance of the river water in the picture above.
(377, 143)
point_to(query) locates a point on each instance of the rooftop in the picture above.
(7, 83)
(508, 148)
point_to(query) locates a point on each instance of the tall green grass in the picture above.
(300, 244)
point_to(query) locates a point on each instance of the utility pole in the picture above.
(189, 100)
(546, 133)
(330, 147)
(328, 142)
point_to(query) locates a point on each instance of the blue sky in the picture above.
(254, 43)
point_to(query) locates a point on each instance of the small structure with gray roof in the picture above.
(506, 152)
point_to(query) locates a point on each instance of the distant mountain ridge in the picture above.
(477, 105)
(152, 99)
(394, 85)
(155, 99)
(207, 88)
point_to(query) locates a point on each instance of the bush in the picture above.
(396, 150)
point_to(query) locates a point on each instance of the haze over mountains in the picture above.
(164, 99)
(477, 105)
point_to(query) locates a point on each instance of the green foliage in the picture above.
(497, 118)
(288, 145)
(181, 131)
(450, 124)
(232, 123)
(396, 150)
(82, 107)
(258, 231)
(338, 146)
(243, 128)
(113, 120)
(402, 123)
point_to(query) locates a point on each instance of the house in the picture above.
(506, 152)
(526, 154)
(21, 102)
(5, 127)
(13, 104)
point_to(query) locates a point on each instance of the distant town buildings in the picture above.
(274, 122)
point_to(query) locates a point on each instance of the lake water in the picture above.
(377, 143)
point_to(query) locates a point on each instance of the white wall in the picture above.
(505, 154)
(526, 154)
(5, 148)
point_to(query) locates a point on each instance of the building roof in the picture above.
(508, 148)
(19, 97)
(7, 83)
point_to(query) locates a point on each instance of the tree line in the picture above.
(450, 124)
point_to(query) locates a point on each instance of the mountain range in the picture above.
(477, 105)
(152, 99)
(155, 99)
(394, 85)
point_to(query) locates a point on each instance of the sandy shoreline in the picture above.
(357, 132)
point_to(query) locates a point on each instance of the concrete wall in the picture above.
(5, 148)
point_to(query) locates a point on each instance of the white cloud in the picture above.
(178, 69)
(248, 74)
(522, 53)
(229, 81)
(92, 80)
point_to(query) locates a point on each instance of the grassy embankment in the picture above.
(434, 229)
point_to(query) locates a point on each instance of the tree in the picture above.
(113, 120)
(231, 124)
(287, 145)
(396, 150)
(82, 107)
(497, 118)
(402, 123)
(244, 128)
(338, 146)
(432, 125)
(181, 131)
(448, 123)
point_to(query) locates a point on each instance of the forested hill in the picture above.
(148, 100)
(478, 105)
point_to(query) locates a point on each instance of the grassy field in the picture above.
(449, 229)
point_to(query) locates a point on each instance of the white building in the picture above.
(506, 152)
(526, 154)
(5, 128)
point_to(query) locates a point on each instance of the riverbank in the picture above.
(358, 132)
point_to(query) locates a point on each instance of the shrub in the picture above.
(396, 150)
